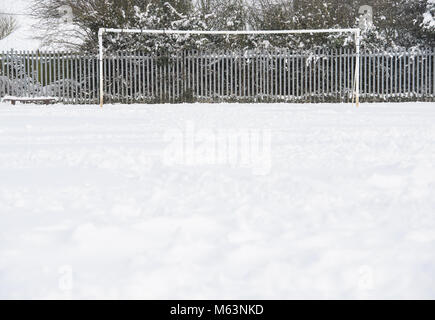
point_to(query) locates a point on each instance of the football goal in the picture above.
(355, 32)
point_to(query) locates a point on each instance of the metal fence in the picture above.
(200, 76)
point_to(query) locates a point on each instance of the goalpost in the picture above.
(356, 32)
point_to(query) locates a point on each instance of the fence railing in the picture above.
(192, 76)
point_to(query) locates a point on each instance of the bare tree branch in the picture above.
(8, 24)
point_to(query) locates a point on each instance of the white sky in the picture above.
(22, 38)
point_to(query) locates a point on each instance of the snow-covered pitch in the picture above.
(217, 201)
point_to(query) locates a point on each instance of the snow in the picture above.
(428, 18)
(32, 99)
(92, 205)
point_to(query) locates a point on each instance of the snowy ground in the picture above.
(130, 202)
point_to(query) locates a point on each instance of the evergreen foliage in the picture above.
(396, 23)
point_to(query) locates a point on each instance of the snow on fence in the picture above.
(249, 76)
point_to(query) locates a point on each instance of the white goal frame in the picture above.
(355, 31)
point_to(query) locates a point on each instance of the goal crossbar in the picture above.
(356, 32)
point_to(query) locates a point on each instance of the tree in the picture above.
(226, 15)
(272, 14)
(429, 17)
(397, 23)
(8, 25)
(303, 14)
(400, 23)
(90, 15)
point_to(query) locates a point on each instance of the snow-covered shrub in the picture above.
(396, 23)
